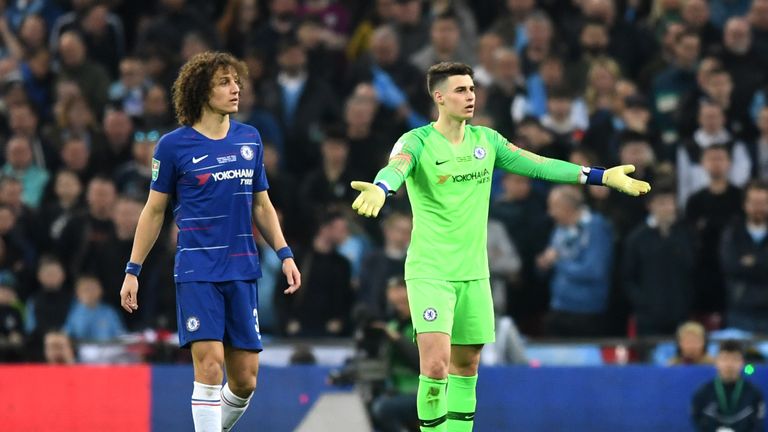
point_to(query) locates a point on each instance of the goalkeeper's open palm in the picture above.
(370, 200)
(617, 178)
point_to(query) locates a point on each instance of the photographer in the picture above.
(394, 410)
(728, 403)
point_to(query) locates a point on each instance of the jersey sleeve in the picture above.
(402, 160)
(163, 167)
(260, 174)
(518, 161)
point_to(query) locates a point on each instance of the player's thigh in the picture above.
(473, 322)
(199, 312)
(242, 369)
(241, 322)
(432, 305)
(434, 354)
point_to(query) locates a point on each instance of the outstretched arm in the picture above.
(518, 161)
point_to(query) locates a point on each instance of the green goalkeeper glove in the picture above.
(617, 178)
(370, 200)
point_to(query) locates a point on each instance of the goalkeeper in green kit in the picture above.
(447, 167)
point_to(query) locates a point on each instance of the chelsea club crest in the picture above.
(193, 323)
(246, 152)
(479, 153)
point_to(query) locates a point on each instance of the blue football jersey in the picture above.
(211, 184)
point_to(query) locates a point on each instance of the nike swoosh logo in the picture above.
(441, 162)
(196, 160)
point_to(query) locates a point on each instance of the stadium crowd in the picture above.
(679, 88)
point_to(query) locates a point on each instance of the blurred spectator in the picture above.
(658, 263)
(176, 19)
(237, 24)
(602, 76)
(329, 184)
(487, 45)
(696, 14)
(75, 119)
(540, 44)
(758, 19)
(118, 134)
(744, 257)
(33, 34)
(381, 264)
(127, 92)
(24, 121)
(91, 77)
(102, 32)
(593, 39)
(20, 165)
(691, 345)
(383, 12)
(11, 325)
(503, 262)
(90, 228)
(157, 112)
(280, 25)
(66, 203)
(445, 44)
(511, 23)
(665, 56)
(708, 211)
(47, 309)
(391, 75)
(105, 258)
(691, 175)
(507, 96)
(761, 159)
(741, 60)
(27, 222)
(524, 215)
(58, 348)
(304, 100)
(395, 410)
(368, 148)
(566, 117)
(76, 157)
(671, 85)
(579, 255)
(714, 84)
(89, 318)
(534, 137)
(323, 307)
(412, 29)
(729, 402)
(133, 177)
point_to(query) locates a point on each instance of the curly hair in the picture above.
(193, 86)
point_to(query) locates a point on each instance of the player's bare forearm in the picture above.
(265, 217)
(148, 228)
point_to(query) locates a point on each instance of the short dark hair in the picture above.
(758, 185)
(731, 346)
(442, 71)
(717, 147)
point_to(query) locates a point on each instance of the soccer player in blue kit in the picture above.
(211, 171)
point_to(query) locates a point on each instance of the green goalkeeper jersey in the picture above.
(449, 186)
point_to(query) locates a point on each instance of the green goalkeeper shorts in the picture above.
(462, 309)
